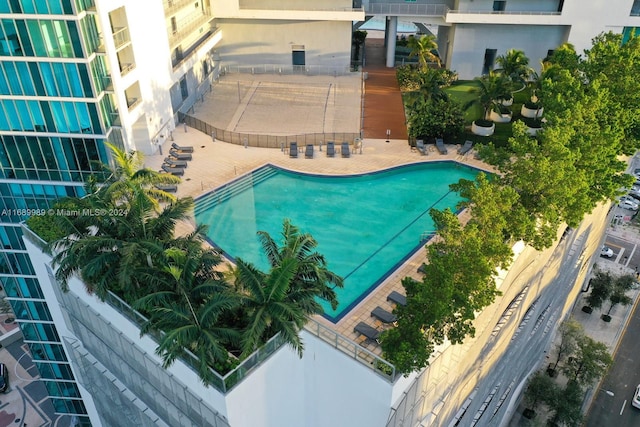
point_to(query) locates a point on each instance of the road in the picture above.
(622, 379)
(489, 403)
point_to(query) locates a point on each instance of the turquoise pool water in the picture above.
(366, 225)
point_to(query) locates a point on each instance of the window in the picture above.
(298, 56)
(499, 5)
(184, 89)
(174, 25)
(489, 60)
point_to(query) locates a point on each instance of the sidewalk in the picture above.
(594, 327)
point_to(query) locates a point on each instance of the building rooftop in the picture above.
(216, 163)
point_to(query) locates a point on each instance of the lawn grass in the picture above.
(463, 91)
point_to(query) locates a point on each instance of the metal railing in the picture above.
(264, 141)
(184, 29)
(318, 70)
(505, 12)
(171, 6)
(184, 56)
(121, 37)
(380, 366)
(407, 9)
(222, 383)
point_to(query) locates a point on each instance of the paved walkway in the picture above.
(383, 107)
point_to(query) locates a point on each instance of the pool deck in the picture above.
(216, 163)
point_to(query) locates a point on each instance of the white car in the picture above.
(636, 398)
(606, 251)
(628, 204)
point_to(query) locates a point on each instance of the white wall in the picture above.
(256, 42)
(324, 388)
(470, 41)
(590, 18)
(39, 261)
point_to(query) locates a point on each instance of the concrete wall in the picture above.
(294, 4)
(469, 41)
(511, 5)
(593, 17)
(324, 388)
(256, 42)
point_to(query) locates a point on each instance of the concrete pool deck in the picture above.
(216, 163)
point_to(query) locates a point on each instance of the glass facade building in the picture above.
(54, 114)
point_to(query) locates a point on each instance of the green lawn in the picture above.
(463, 92)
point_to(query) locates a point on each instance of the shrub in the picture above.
(407, 78)
(532, 123)
(484, 123)
(532, 105)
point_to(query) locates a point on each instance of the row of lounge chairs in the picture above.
(372, 334)
(422, 148)
(176, 163)
(345, 151)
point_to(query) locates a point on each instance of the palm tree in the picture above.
(424, 48)
(492, 87)
(431, 83)
(514, 64)
(129, 179)
(190, 299)
(280, 301)
(102, 250)
(127, 229)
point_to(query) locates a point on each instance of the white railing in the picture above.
(407, 9)
(505, 12)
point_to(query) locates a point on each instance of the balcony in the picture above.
(504, 17)
(180, 56)
(172, 6)
(407, 9)
(121, 37)
(184, 29)
(275, 10)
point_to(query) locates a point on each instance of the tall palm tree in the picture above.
(130, 179)
(280, 300)
(492, 87)
(514, 64)
(190, 298)
(424, 48)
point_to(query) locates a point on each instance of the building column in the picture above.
(392, 30)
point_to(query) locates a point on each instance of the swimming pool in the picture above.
(366, 225)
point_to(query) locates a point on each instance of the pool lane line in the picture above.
(397, 234)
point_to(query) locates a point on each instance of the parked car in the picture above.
(628, 204)
(636, 398)
(4, 378)
(606, 251)
(635, 195)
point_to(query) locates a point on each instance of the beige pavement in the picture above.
(283, 104)
(216, 163)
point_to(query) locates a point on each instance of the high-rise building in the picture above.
(77, 73)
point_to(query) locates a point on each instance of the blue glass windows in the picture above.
(45, 79)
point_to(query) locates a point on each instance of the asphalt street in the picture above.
(622, 379)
